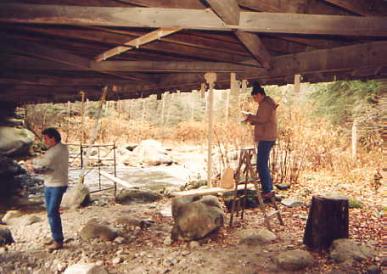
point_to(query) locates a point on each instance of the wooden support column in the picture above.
(68, 120)
(210, 79)
(82, 139)
(354, 140)
(297, 83)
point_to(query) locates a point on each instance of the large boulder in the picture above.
(139, 196)
(196, 217)
(5, 236)
(15, 141)
(149, 152)
(294, 259)
(76, 197)
(345, 249)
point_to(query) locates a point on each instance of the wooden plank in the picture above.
(186, 4)
(55, 55)
(202, 191)
(227, 10)
(136, 43)
(178, 47)
(254, 44)
(116, 179)
(188, 18)
(292, 6)
(170, 66)
(360, 7)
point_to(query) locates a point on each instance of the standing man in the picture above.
(265, 134)
(54, 166)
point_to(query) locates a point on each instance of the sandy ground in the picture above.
(150, 251)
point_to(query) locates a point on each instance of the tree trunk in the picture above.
(328, 220)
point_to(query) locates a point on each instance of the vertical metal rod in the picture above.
(81, 151)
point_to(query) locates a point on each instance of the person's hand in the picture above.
(248, 118)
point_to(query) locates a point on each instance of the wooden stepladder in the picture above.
(244, 175)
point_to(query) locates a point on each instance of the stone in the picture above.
(11, 214)
(32, 219)
(5, 236)
(256, 237)
(93, 230)
(15, 141)
(151, 152)
(196, 217)
(194, 244)
(85, 269)
(76, 197)
(373, 269)
(134, 195)
(294, 259)
(290, 202)
(117, 260)
(119, 240)
(345, 249)
(282, 186)
(168, 241)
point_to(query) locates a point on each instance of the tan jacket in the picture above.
(265, 121)
(54, 166)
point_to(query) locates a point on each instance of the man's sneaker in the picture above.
(55, 246)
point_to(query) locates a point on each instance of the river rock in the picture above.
(93, 230)
(15, 141)
(85, 269)
(345, 249)
(134, 195)
(294, 259)
(5, 236)
(11, 214)
(196, 217)
(256, 237)
(76, 197)
(291, 202)
(151, 152)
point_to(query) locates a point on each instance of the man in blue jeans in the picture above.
(54, 166)
(265, 134)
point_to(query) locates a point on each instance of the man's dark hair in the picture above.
(52, 133)
(257, 89)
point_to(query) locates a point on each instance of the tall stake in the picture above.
(82, 93)
(94, 134)
(210, 79)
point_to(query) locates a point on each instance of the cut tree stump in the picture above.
(328, 220)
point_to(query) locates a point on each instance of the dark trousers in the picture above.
(53, 197)
(263, 154)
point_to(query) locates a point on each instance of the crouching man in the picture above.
(54, 166)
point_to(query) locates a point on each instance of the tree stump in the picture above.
(328, 220)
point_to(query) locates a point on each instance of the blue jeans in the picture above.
(263, 154)
(53, 197)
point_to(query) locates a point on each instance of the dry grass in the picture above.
(304, 143)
